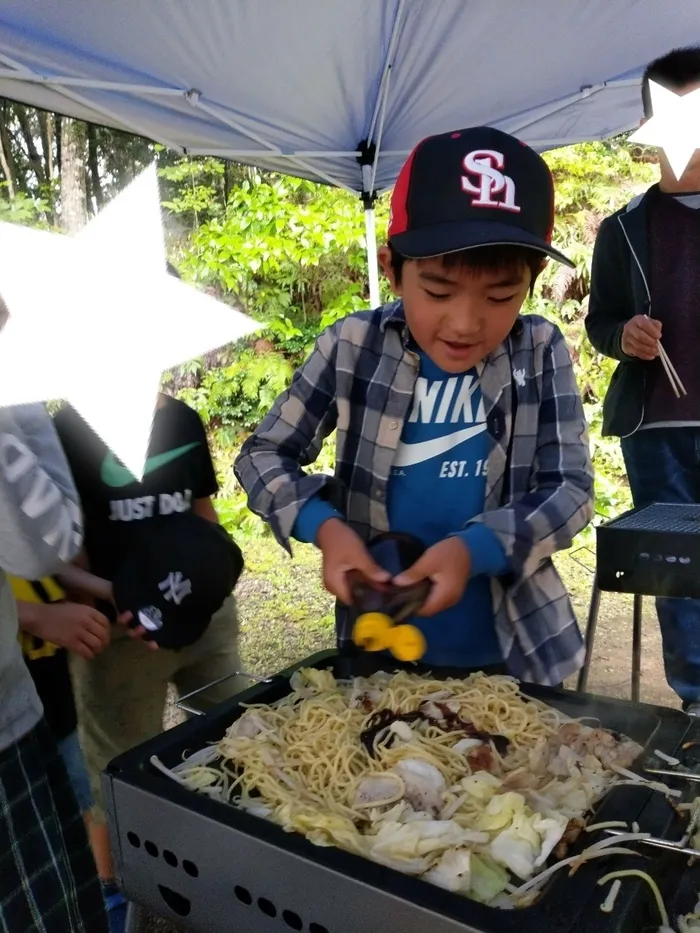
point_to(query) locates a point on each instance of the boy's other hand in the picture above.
(343, 551)
(81, 629)
(640, 337)
(447, 565)
(135, 631)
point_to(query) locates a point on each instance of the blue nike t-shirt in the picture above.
(437, 484)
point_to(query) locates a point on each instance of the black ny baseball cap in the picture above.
(470, 188)
(177, 578)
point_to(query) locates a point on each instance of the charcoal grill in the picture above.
(210, 868)
(652, 551)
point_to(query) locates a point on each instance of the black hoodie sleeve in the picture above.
(611, 302)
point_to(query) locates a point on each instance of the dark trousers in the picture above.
(663, 465)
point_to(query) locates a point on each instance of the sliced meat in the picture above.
(538, 757)
(481, 759)
(608, 747)
(573, 830)
(627, 752)
(424, 784)
(466, 745)
(521, 779)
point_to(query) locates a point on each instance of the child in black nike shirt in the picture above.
(121, 694)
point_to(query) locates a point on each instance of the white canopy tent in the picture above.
(339, 91)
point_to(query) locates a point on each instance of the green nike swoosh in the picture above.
(116, 475)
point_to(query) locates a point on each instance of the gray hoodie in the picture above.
(40, 531)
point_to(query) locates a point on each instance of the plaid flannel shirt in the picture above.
(359, 381)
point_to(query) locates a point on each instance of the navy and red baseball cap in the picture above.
(177, 578)
(470, 188)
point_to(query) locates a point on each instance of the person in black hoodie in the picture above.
(645, 288)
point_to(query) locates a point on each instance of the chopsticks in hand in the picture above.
(673, 377)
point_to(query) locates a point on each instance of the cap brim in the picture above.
(441, 239)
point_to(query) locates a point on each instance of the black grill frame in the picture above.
(240, 865)
(651, 551)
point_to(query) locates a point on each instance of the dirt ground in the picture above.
(285, 616)
(611, 667)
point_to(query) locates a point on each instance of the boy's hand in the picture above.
(640, 337)
(344, 551)
(135, 631)
(447, 565)
(78, 628)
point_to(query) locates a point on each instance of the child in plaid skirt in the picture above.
(48, 881)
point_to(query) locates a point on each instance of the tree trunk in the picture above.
(58, 123)
(94, 174)
(6, 168)
(32, 152)
(46, 123)
(6, 155)
(73, 187)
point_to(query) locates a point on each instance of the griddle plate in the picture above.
(236, 872)
(664, 517)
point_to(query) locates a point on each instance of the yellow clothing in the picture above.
(40, 591)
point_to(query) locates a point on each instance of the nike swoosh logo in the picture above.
(410, 454)
(116, 475)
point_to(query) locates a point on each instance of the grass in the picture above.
(284, 611)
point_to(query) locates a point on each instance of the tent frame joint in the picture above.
(367, 156)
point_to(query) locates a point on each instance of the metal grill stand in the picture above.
(136, 919)
(593, 611)
(651, 551)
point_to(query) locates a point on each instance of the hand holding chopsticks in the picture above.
(641, 338)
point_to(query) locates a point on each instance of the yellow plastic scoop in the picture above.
(407, 643)
(372, 631)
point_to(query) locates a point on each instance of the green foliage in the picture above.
(289, 250)
(196, 187)
(22, 209)
(238, 396)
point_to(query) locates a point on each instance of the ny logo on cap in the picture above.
(174, 588)
(485, 165)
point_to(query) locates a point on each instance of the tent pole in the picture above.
(372, 262)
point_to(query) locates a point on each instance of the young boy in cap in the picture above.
(458, 420)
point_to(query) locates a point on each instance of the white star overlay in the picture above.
(673, 127)
(95, 319)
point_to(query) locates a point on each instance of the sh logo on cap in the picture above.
(485, 164)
